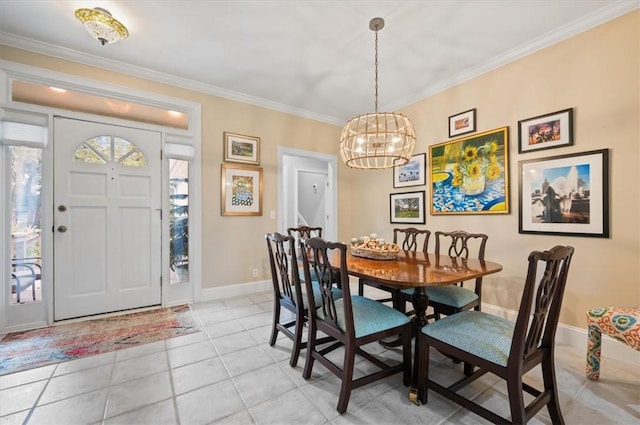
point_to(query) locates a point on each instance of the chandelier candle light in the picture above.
(377, 140)
(101, 25)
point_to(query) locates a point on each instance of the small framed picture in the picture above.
(241, 191)
(462, 123)
(241, 148)
(412, 173)
(407, 207)
(565, 195)
(547, 131)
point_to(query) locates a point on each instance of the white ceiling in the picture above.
(309, 58)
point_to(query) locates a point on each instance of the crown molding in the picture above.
(64, 53)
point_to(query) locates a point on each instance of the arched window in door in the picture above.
(104, 149)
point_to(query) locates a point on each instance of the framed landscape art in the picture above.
(241, 148)
(565, 195)
(470, 175)
(241, 190)
(546, 131)
(412, 173)
(407, 207)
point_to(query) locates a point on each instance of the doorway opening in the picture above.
(301, 203)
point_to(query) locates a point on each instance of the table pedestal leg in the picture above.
(420, 303)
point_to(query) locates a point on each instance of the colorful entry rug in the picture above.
(55, 344)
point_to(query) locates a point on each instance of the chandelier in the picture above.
(377, 140)
(101, 25)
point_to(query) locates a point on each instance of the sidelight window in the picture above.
(179, 220)
(25, 167)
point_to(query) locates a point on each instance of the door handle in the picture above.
(62, 229)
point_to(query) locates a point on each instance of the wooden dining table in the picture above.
(419, 270)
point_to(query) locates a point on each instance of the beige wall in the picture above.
(231, 246)
(597, 73)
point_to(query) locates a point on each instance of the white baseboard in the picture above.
(239, 289)
(24, 327)
(577, 338)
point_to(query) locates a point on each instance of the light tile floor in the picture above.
(228, 374)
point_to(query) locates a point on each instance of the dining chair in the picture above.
(408, 239)
(352, 321)
(451, 299)
(505, 348)
(288, 292)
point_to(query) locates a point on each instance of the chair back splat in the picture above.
(459, 243)
(352, 321)
(305, 232)
(410, 241)
(505, 348)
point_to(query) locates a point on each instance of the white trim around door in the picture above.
(37, 314)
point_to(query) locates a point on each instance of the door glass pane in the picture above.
(26, 209)
(102, 145)
(121, 147)
(134, 158)
(85, 154)
(179, 220)
(100, 150)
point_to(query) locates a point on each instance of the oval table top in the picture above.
(416, 269)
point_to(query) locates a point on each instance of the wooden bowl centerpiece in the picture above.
(374, 248)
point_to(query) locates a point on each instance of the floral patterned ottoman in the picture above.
(620, 323)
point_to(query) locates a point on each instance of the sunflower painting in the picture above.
(470, 175)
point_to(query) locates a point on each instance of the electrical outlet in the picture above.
(254, 272)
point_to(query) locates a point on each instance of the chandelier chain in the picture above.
(376, 76)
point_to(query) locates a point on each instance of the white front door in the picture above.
(107, 218)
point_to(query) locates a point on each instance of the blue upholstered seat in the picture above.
(369, 316)
(455, 296)
(481, 334)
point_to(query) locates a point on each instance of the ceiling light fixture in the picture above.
(101, 25)
(377, 140)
